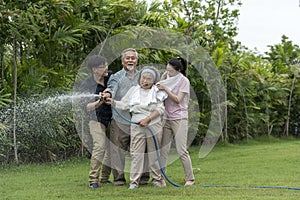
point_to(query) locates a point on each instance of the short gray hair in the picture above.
(129, 49)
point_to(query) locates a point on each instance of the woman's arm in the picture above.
(144, 122)
(123, 104)
(176, 98)
(156, 112)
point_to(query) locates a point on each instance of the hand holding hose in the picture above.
(110, 101)
(144, 122)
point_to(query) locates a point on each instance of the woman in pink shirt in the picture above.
(177, 86)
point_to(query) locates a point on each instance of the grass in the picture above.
(233, 169)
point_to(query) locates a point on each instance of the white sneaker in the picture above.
(163, 183)
(189, 183)
(132, 186)
(157, 184)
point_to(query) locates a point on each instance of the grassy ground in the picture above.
(237, 171)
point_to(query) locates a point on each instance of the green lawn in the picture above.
(237, 171)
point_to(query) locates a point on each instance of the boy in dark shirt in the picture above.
(99, 116)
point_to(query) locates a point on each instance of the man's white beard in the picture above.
(130, 68)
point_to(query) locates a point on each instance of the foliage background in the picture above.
(46, 41)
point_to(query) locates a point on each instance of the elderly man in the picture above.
(118, 84)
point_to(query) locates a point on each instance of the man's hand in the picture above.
(105, 95)
(110, 101)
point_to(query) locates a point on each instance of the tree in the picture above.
(283, 57)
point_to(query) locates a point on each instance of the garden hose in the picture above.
(204, 186)
(156, 147)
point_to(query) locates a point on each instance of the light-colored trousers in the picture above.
(120, 141)
(141, 142)
(100, 151)
(177, 129)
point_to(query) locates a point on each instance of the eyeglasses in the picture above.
(102, 66)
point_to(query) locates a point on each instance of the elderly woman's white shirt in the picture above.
(141, 103)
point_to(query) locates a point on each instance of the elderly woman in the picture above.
(146, 109)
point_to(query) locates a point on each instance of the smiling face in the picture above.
(171, 71)
(129, 60)
(101, 71)
(146, 80)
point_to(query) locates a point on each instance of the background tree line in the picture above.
(46, 41)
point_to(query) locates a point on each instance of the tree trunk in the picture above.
(246, 115)
(289, 108)
(15, 102)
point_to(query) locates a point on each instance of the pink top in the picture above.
(176, 111)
